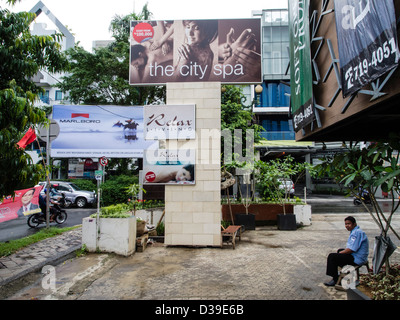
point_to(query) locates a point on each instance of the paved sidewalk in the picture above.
(34, 257)
(267, 264)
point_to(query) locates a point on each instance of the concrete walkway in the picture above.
(267, 264)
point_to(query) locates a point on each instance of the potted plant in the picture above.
(113, 229)
(272, 177)
(133, 191)
(246, 219)
(227, 180)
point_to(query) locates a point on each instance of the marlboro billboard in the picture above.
(97, 131)
(227, 51)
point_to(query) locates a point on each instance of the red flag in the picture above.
(27, 139)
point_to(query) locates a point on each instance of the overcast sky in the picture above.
(89, 19)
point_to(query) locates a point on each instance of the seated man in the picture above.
(356, 252)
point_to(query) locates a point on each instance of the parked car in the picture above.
(73, 193)
(288, 185)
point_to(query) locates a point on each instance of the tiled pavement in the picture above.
(267, 264)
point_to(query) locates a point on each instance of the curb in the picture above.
(60, 257)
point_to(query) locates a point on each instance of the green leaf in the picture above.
(366, 174)
(359, 162)
(351, 166)
(349, 179)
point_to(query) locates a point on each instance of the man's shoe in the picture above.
(339, 287)
(331, 283)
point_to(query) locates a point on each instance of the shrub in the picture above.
(114, 211)
(160, 229)
(114, 190)
(383, 286)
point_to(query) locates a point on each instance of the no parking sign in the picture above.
(103, 161)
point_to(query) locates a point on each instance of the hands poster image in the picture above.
(227, 51)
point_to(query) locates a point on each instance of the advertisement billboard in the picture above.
(169, 167)
(24, 203)
(227, 51)
(163, 122)
(97, 131)
(367, 41)
(302, 108)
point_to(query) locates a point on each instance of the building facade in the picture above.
(48, 81)
(370, 113)
(272, 105)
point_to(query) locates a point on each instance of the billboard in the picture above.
(24, 203)
(226, 51)
(169, 167)
(97, 131)
(367, 41)
(163, 122)
(301, 95)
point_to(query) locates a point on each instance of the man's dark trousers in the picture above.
(336, 260)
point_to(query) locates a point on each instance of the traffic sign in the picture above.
(103, 161)
(52, 131)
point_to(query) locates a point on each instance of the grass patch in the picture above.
(12, 246)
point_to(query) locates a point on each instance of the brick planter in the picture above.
(265, 213)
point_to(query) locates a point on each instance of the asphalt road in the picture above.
(18, 228)
(326, 204)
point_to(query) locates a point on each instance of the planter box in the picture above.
(303, 214)
(117, 235)
(247, 220)
(355, 294)
(287, 222)
(265, 213)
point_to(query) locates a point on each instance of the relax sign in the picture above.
(169, 122)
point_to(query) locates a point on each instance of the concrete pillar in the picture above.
(193, 212)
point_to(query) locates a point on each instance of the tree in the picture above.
(102, 77)
(271, 174)
(22, 55)
(239, 133)
(236, 120)
(373, 168)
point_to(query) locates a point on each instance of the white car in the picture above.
(73, 193)
(287, 185)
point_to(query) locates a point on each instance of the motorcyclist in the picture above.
(43, 205)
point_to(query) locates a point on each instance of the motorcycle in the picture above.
(57, 214)
(362, 197)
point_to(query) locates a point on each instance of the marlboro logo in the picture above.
(77, 115)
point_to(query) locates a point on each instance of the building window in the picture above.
(45, 97)
(275, 37)
(275, 94)
(58, 95)
(278, 128)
